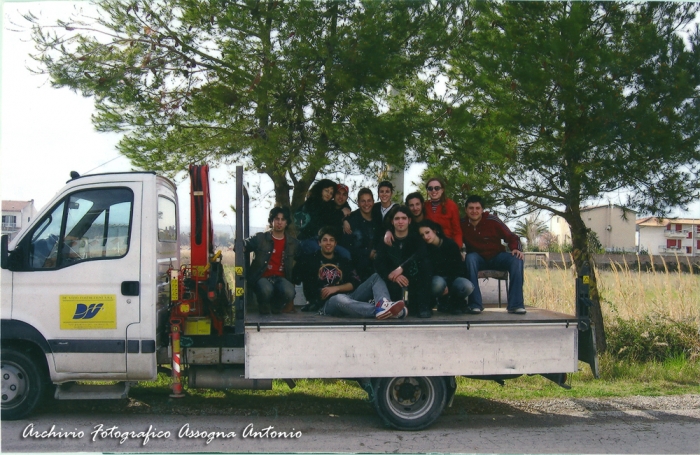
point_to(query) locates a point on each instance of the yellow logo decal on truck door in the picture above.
(88, 312)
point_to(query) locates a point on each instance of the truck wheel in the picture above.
(410, 403)
(23, 384)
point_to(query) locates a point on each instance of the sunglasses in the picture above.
(434, 188)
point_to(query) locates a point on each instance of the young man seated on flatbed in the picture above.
(404, 264)
(332, 286)
(271, 270)
(482, 233)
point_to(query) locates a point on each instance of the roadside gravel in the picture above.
(579, 405)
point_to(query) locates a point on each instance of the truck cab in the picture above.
(90, 276)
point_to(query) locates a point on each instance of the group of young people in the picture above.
(383, 260)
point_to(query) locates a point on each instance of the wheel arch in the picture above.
(21, 336)
(19, 333)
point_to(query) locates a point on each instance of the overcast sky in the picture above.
(45, 133)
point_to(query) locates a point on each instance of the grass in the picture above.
(625, 293)
(649, 315)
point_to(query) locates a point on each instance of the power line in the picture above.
(107, 162)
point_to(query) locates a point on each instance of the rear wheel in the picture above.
(410, 403)
(23, 383)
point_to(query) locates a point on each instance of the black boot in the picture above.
(444, 304)
(264, 308)
(425, 312)
(459, 306)
(312, 306)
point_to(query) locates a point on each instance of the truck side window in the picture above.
(44, 242)
(167, 216)
(87, 225)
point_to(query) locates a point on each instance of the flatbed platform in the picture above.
(491, 343)
(491, 315)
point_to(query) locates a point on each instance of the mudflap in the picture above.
(451, 384)
(558, 378)
(368, 385)
(587, 351)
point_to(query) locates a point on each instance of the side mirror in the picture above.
(4, 255)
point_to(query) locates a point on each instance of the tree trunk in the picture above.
(582, 254)
(282, 192)
(301, 188)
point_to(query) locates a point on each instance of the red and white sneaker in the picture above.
(387, 309)
(402, 314)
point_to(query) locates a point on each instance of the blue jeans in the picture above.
(502, 261)
(356, 303)
(274, 289)
(460, 289)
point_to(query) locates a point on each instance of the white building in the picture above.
(614, 225)
(16, 215)
(666, 236)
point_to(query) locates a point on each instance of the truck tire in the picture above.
(23, 383)
(410, 403)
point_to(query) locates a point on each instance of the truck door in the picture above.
(76, 277)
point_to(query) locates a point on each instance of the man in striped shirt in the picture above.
(482, 233)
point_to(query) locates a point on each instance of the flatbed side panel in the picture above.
(401, 350)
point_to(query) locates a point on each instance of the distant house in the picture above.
(560, 229)
(614, 225)
(16, 215)
(666, 236)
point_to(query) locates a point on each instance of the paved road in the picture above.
(605, 431)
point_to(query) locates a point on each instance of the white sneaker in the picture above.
(387, 309)
(520, 310)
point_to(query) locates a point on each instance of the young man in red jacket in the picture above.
(482, 234)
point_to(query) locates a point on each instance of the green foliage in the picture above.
(552, 104)
(557, 103)
(566, 248)
(593, 243)
(653, 339)
(290, 89)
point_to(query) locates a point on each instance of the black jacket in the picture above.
(261, 245)
(360, 243)
(315, 214)
(446, 260)
(410, 253)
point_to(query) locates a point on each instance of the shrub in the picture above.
(653, 339)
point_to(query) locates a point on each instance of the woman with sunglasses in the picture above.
(442, 210)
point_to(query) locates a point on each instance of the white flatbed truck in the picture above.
(94, 290)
